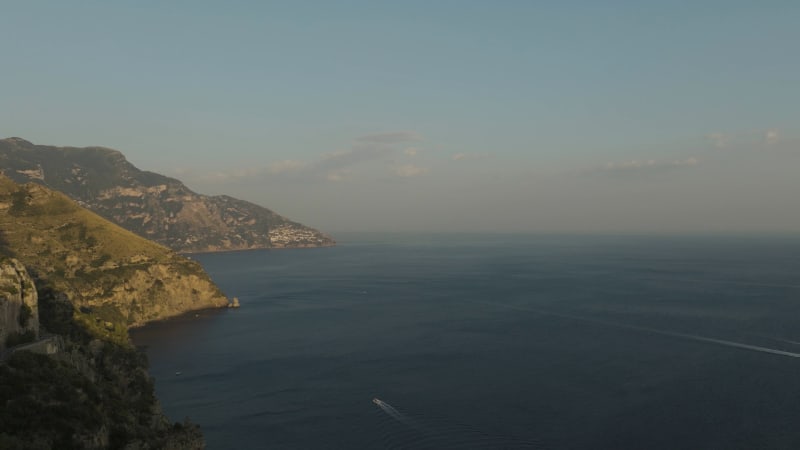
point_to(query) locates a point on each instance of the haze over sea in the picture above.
(494, 341)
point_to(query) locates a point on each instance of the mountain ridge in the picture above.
(152, 205)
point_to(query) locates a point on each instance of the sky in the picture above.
(447, 115)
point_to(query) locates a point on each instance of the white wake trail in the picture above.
(777, 339)
(692, 337)
(442, 434)
(392, 412)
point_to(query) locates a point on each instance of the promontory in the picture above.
(156, 207)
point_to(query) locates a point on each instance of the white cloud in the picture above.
(411, 151)
(772, 136)
(410, 170)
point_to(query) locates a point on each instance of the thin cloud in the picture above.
(286, 166)
(751, 138)
(394, 137)
(179, 171)
(224, 177)
(635, 165)
(772, 136)
(410, 170)
(369, 148)
(718, 140)
(338, 165)
(465, 156)
(359, 153)
(338, 175)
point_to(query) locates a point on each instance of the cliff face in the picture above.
(141, 290)
(90, 394)
(86, 386)
(153, 206)
(112, 277)
(19, 304)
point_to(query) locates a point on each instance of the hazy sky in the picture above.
(431, 115)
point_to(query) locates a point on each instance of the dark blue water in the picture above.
(484, 341)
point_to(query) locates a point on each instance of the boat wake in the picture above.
(424, 432)
(393, 413)
(691, 337)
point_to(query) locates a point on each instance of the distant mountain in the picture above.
(151, 205)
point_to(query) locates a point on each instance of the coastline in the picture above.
(182, 317)
(233, 250)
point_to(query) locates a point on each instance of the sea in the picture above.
(441, 341)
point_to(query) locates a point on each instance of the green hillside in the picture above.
(114, 278)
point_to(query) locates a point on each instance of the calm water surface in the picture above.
(483, 341)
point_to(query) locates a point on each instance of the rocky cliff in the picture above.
(153, 206)
(73, 390)
(19, 305)
(113, 278)
(85, 281)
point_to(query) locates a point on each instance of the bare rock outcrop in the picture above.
(19, 310)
